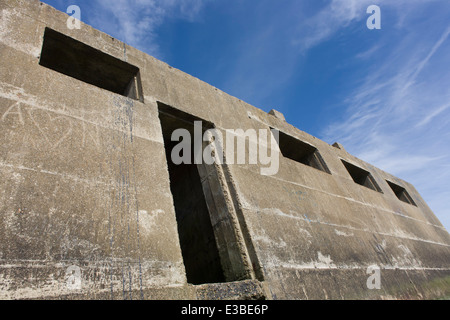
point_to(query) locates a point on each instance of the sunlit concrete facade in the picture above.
(92, 208)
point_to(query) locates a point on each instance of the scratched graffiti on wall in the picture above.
(42, 128)
(46, 129)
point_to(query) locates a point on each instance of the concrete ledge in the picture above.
(240, 290)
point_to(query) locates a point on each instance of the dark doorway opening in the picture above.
(198, 244)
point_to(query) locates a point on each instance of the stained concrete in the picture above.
(85, 183)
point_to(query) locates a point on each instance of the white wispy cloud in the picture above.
(368, 53)
(136, 21)
(339, 14)
(320, 27)
(425, 61)
(398, 117)
(429, 117)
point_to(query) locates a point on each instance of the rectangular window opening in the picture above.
(80, 61)
(302, 152)
(401, 193)
(361, 176)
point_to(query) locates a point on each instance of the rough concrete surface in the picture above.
(87, 210)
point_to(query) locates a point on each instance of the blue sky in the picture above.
(384, 94)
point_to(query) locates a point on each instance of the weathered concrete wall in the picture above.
(85, 183)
